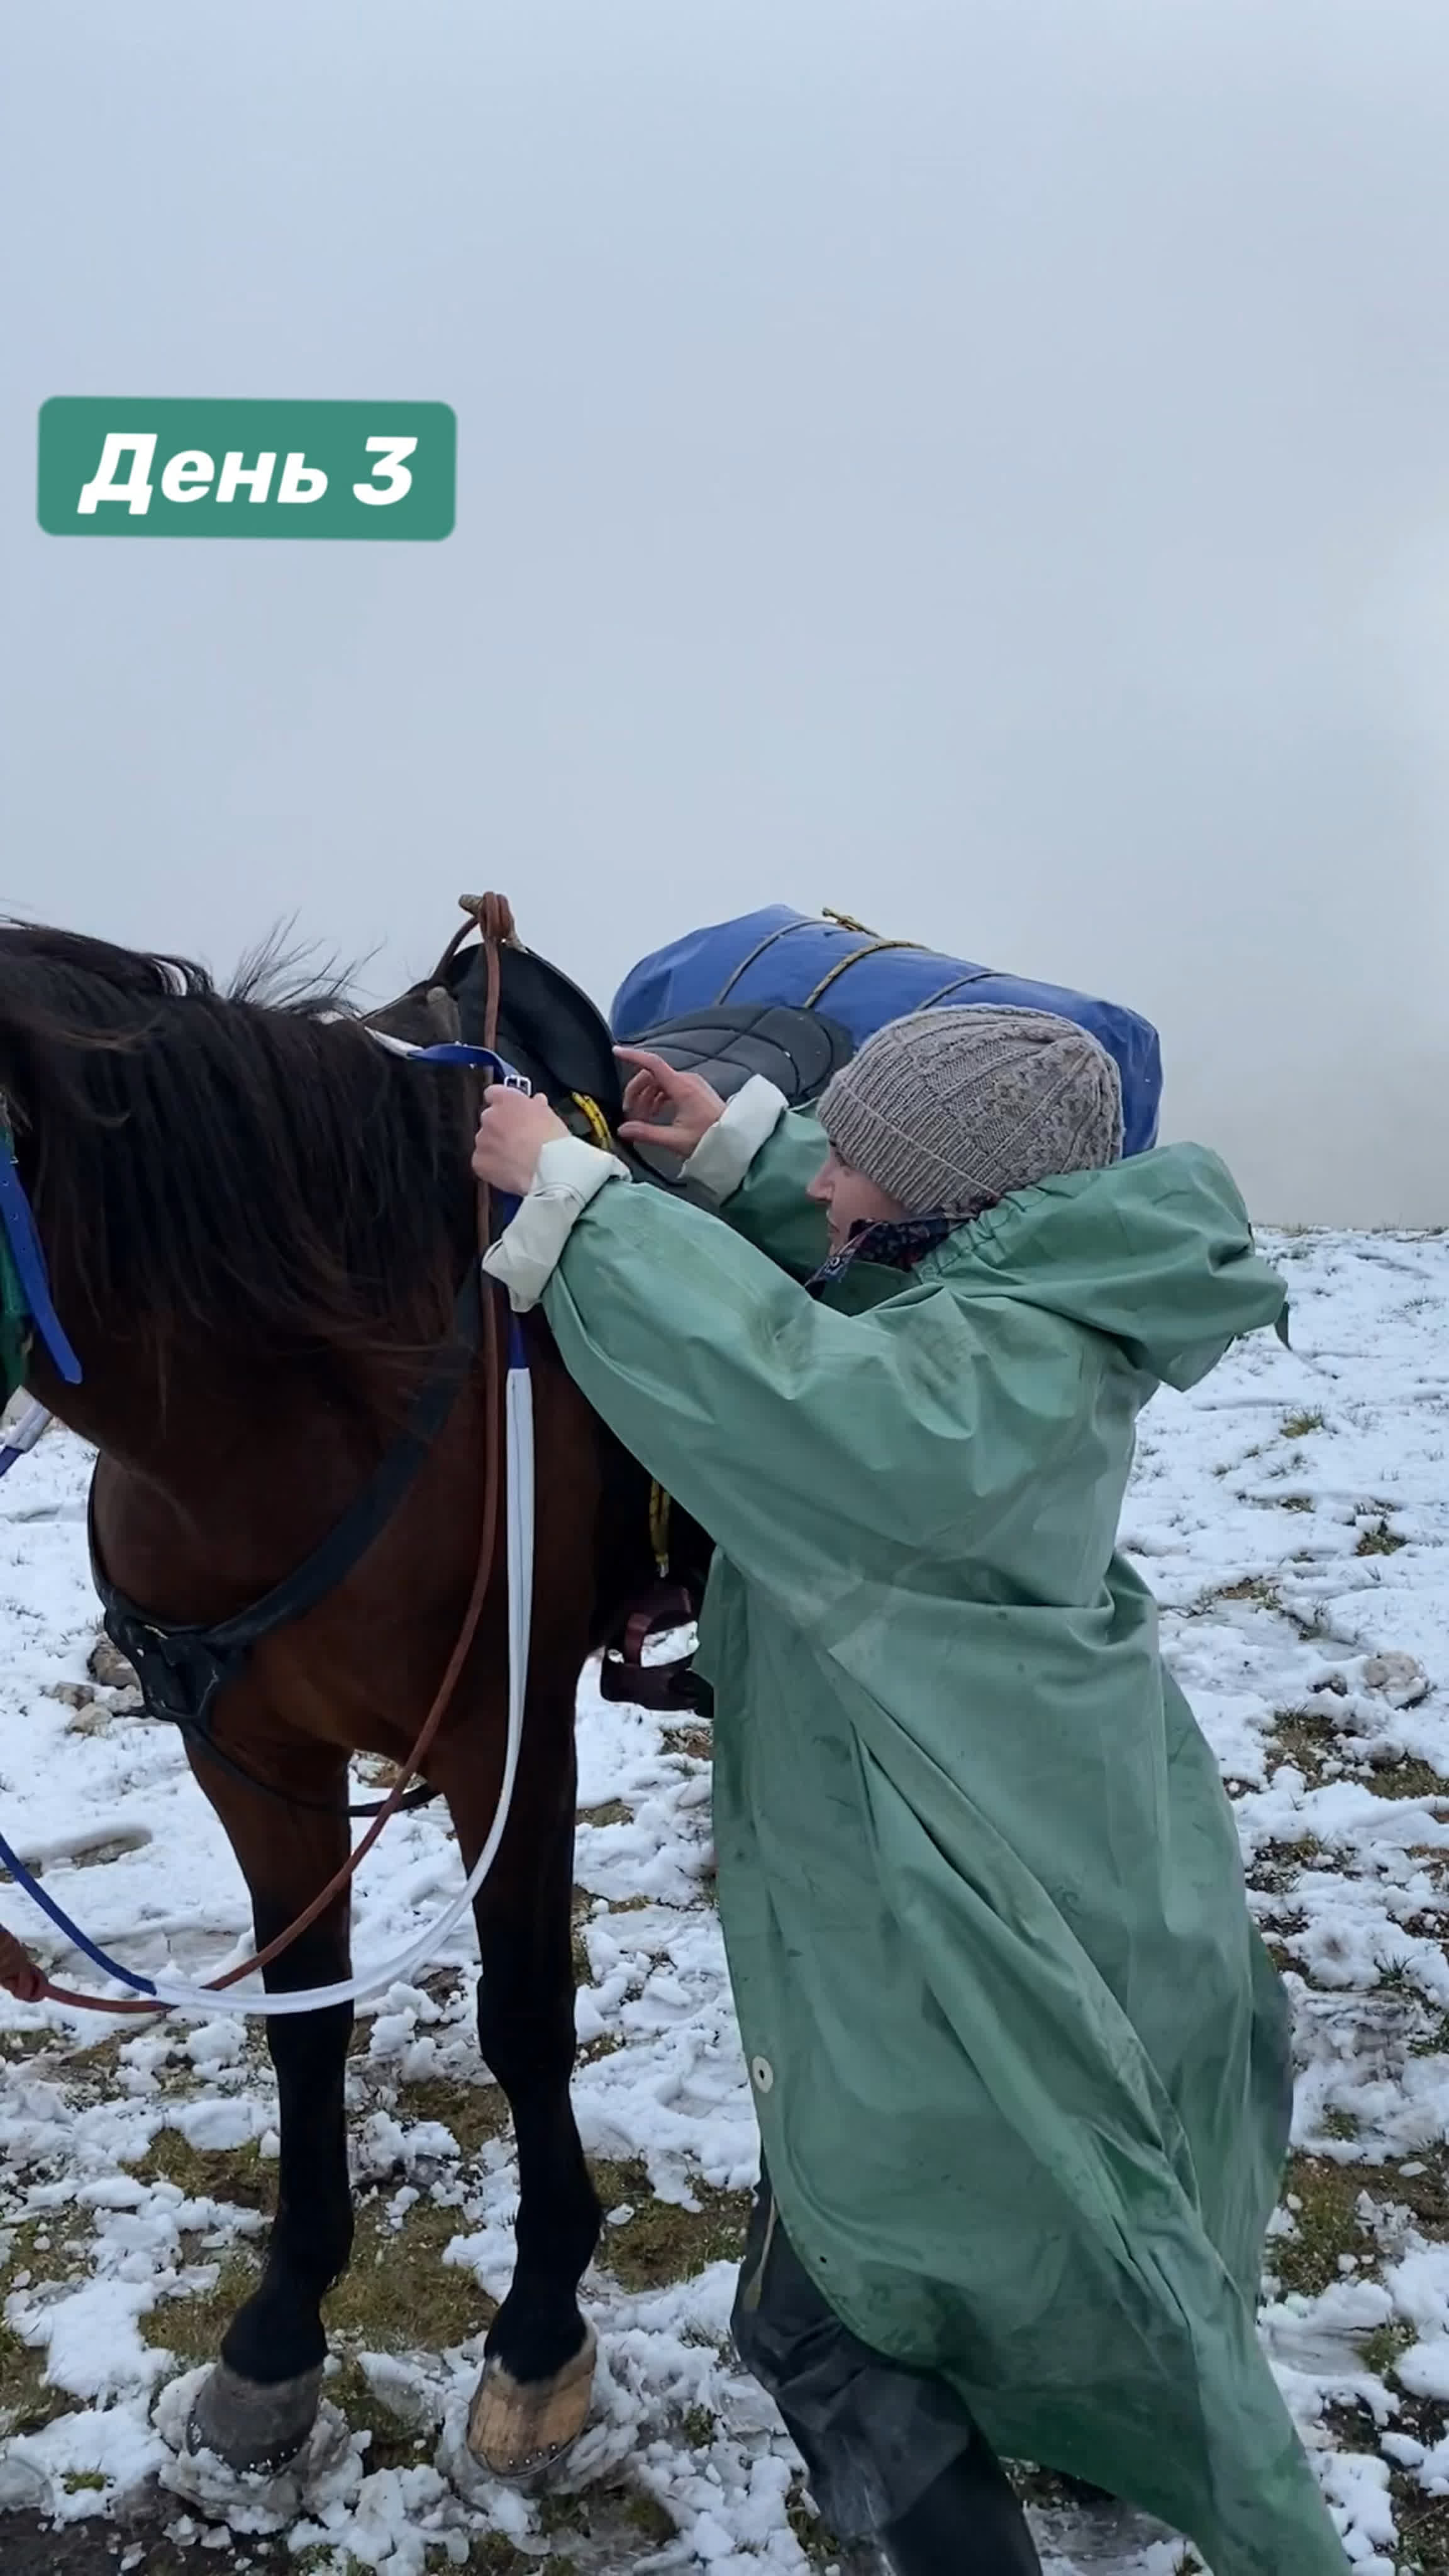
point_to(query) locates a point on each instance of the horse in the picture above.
(256, 1221)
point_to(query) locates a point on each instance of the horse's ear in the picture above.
(444, 1014)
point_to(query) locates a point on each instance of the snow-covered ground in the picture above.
(1292, 1517)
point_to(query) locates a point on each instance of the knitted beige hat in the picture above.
(948, 1110)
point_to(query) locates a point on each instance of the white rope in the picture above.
(518, 1408)
(23, 1434)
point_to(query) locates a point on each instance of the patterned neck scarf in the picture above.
(897, 1243)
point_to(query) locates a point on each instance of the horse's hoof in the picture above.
(519, 2429)
(254, 2430)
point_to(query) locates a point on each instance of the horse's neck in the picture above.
(208, 1455)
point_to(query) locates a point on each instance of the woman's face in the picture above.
(849, 1200)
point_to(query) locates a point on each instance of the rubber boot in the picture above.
(970, 2523)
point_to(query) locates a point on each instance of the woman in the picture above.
(1020, 2062)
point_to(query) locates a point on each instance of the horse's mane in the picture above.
(230, 1162)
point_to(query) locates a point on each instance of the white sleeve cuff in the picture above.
(726, 1150)
(570, 1174)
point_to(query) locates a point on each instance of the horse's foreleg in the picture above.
(259, 2405)
(533, 2398)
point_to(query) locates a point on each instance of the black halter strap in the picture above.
(182, 1666)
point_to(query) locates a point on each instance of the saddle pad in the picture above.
(796, 1050)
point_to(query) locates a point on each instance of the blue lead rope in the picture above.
(26, 1879)
(29, 1261)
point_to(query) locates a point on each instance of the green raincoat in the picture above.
(1020, 2061)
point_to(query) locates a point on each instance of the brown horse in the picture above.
(257, 1221)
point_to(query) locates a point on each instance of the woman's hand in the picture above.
(692, 1104)
(512, 1133)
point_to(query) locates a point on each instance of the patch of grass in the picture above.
(1380, 2350)
(473, 2109)
(820, 2546)
(699, 2427)
(20, 2044)
(1250, 1587)
(1326, 2226)
(695, 1742)
(234, 2175)
(1308, 1742)
(620, 2519)
(581, 1914)
(1423, 2528)
(1409, 1779)
(1379, 1541)
(397, 2284)
(1277, 1866)
(1426, 2194)
(608, 2044)
(1297, 1426)
(191, 2325)
(393, 2445)
(649, 2517)
(27, 2401)
(494, 2555)
(398, 2281)
(605, 2513)
(99, 2056)
(612, 1812)
(661, 2242)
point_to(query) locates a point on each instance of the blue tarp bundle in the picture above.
(789, 959)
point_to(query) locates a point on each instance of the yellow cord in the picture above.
(596, 1119)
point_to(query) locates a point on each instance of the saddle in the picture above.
(552, 1033)
(560, 1040)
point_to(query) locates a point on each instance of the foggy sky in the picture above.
(981, 464)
